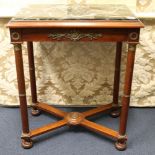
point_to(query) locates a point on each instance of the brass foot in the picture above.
(35, 112)
(121, 144)
(115, 113)
(26, 141)
(26, 144)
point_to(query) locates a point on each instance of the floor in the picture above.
(78, 141)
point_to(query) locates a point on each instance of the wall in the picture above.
(8, 8)
(78, 73)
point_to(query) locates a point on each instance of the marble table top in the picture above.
(47, 12)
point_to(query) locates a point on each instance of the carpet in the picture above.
(78, 141)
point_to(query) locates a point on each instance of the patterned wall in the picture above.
(78, 73)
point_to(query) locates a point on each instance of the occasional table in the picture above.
(86, 23)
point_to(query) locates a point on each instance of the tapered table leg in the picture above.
(26, 140)
(34, 111)
(116, 111)
(121, 142)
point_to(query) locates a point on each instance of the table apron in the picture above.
(79, 34)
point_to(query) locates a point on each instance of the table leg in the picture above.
(34, 111)
(116, 111)
(26, 140)
(121, 141)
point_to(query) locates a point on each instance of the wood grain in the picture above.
(75, 24)
(47, 128)
(50, 109)
(99, 128)
(97, 110)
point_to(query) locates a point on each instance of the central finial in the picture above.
(75, 115)
(74, 118)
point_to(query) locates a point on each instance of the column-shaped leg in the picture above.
(34, 111)
(26, 140)
(121, 142)
(116, 111)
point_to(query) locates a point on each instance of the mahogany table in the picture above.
(104, 23)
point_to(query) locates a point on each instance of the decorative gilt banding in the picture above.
(122, 137)
(133, 35)
(34, 104)
(132, 47)
(31, 68)
(15, 36)
(126, 95)
(25, 135)
(21, 95)
(74, 35)
(114, 105)
(17, 47)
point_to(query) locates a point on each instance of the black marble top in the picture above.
(46, 12)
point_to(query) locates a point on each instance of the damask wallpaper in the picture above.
(78, 73)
